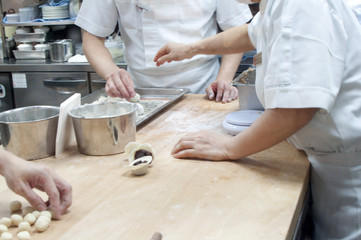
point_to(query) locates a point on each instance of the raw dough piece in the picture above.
(27, 209)
(136, 98)
(16, 219)
(41, 224)
(46, 214)
(24, 226)
(15, 206)
(24, 235)
(37, 214)
(3, 228)
(6, 236)
(5, 221)
(140, 109)
(30, 218)
(129, 147)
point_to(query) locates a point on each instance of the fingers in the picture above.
(159, 57)
(52, 191)
(34, 199)
(120, 84)
(222, 92)
(65, 191)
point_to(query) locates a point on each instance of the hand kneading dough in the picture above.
(136, 98)
(6, 236)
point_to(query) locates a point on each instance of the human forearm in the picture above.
(229, 66)
(234, 40)
(272, 127)
(98, 55)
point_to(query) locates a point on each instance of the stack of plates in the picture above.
(237, 122)
(55, 12)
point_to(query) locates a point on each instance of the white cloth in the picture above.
(147, 25)
(311, 59)
(356, 7)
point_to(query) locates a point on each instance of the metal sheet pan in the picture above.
(154, 100)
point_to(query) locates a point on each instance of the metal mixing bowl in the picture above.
(30, 132)
(104, 128)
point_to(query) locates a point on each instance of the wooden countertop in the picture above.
(258, 197)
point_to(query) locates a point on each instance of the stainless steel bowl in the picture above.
(61, 50)
(104, 128)
(247, 97)
(30, 132)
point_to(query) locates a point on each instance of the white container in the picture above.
(28, 13)
(41, 29)
(25, 47)
(41, 46)
(14, 17)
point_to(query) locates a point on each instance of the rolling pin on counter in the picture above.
(258, 197)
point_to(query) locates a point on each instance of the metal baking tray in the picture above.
(154, 100)
(30, 37)
(32, 54)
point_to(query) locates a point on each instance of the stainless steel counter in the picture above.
(13, 65)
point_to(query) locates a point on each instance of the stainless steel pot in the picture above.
(104, 128)
(61, 50)
(30, 132)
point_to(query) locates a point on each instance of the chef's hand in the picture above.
(120, 84)
(222, 91)
(22, 176)
(203, 144)
(173, 52)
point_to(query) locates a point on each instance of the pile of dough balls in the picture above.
(140, 157)
(24, 219)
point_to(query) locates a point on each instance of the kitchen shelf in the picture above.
(44, 23)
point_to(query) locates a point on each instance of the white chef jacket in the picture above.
(147, 25)
(311, 58)
(356, 7)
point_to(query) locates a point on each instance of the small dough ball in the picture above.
(16, 219)
(45, 218)
(47, 214)
(27, 209)
(37, 214)
(3, 228)
(30, 218)
(41, 224)
(24, 226)
(5, 221)
(6, 236)
(136, 98)
(140, 151)
(15, 206)
(24, 235)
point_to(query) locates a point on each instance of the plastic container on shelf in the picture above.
(14, 17)
(28, 13)
(115, 47)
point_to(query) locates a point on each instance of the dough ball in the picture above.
(16, 219)
(3, 228)
(6, 236)
(27, 209)
(30, 218)
(24, 226)
(47, 214)
(140, 109)
(5, 221)
(36, 214)
(24, 235)
(41, 224)
(136, 98)
(15, 206)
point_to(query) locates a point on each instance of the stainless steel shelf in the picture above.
(45, 23)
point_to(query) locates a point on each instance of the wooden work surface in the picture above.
(259, 197)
